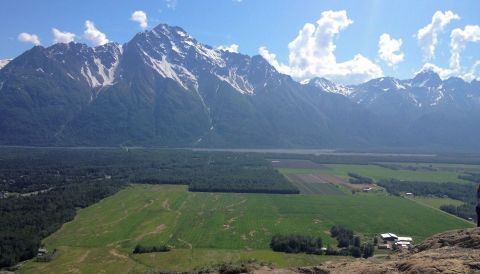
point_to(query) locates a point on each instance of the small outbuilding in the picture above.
(42, 252)
(389, 237)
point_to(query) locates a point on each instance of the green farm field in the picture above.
(205, 228)
(442, 173)
(436, 202)
(312, 187)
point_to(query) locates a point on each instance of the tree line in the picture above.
(139, 249)
(359, 179)
(295, 243)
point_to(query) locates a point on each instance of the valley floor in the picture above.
(204, 228)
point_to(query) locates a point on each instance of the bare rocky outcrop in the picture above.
(466, 238)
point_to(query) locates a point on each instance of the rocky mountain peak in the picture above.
(328, 86)
(426, 78)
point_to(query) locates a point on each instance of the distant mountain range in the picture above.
(164, 88)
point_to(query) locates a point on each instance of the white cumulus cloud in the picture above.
(428, 36)
(472, 73)
(94, 35)
(231, 48)
(458, 41)
(444, 73)
(141, 18)
(389, 50)
(272, 59)
(62, 37)
(29, 38)
(312, 53)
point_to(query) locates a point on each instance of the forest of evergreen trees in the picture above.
(25, 221)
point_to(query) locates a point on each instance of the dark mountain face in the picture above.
(164, 88)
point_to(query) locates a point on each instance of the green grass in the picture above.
(211, 227)
(312, 188)
(317, 188)
(436, 202)
(444, 172)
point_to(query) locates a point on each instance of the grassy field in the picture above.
(314, 188)
(444, 172)
(436, 202)
(211, 227)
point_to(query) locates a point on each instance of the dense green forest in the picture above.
(26, 220)
(202, 171)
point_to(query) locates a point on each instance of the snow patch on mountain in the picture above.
(105, 74)
(211, 55)
(87, 74)
(4, 62)
(238, 82)
(175, 72)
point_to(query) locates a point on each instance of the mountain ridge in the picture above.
(164, 88)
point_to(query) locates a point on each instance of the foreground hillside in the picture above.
(456, 251)
(205, 228)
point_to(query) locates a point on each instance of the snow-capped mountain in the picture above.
(425, 90)
(424, 110)
(163, 87)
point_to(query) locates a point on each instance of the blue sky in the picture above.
(353, 28)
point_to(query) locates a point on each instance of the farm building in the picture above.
(389, 237)
(390, 240)
(42, 252)
(404, 242)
